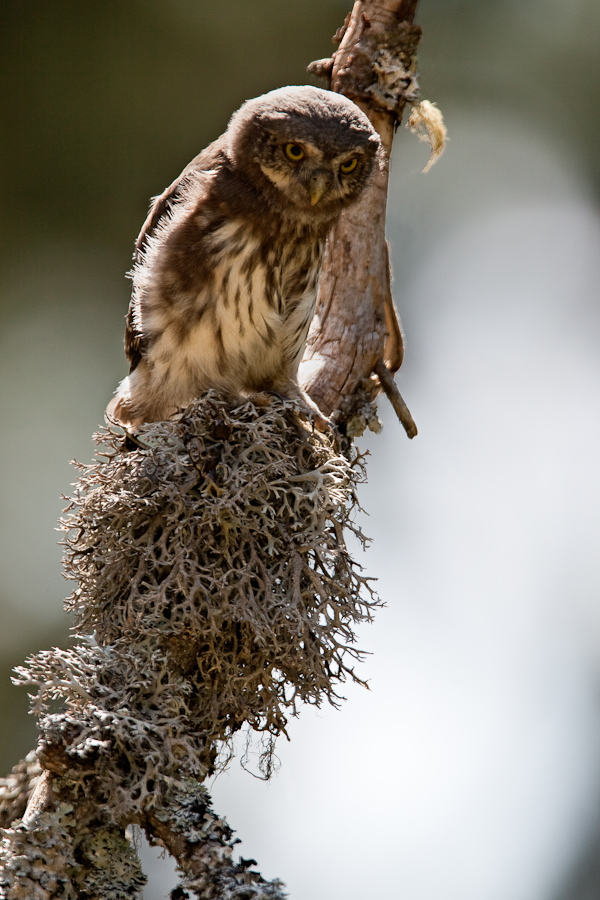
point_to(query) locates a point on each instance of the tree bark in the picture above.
(356, 325)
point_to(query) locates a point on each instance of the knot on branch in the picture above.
(379, 68)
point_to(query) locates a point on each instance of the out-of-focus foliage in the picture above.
(103, 104)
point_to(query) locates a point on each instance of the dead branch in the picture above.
(356, 323)
(388, 384)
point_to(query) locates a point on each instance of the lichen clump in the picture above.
(62, 856)
(215, 589)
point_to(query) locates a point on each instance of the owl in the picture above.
(227, 263)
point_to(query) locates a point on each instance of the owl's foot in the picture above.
(263, 399)
(319, 422)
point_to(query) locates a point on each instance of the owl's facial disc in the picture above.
(314, 149)
(301, 173)
(315, 177)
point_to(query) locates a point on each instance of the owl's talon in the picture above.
(322, 424)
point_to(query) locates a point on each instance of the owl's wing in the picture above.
(161, 206)
(207, 159)
(134, 341)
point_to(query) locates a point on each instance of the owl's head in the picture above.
(312, 149)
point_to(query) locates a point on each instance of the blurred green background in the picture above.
(472, 768)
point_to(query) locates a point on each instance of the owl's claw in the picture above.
(321, 423)
(326, 426)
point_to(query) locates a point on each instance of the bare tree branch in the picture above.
(356, 324)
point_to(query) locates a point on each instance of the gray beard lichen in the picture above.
(214, 591)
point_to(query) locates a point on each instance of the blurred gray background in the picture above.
(471, 769)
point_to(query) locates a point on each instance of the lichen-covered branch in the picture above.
(16, 789)
(202, 844)
(68, 846)
(214, 592)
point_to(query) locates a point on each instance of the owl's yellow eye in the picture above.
(349, 165)
(294, 152)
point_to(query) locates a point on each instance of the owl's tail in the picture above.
(118, 411)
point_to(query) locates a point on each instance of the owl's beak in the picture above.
(318, 185)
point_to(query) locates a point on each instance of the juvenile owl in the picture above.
(228, 260)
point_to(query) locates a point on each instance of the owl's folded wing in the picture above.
(206, 160)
